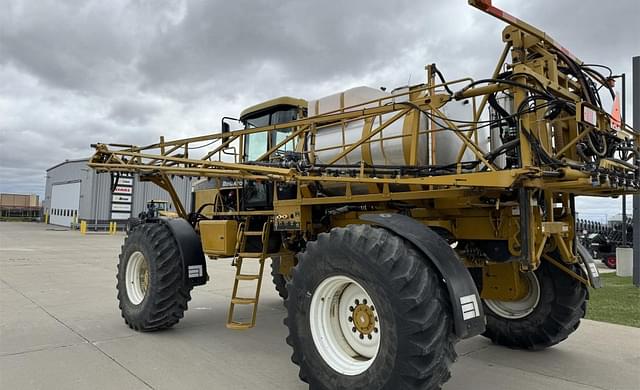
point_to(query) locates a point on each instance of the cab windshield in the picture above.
(259, 143)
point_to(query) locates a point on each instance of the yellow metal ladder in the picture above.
(241, 256)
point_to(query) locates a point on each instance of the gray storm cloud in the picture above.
(76, 72)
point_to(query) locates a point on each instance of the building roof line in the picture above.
(67, 162)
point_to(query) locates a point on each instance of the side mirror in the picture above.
(226, 128)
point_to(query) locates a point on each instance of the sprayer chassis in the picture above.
(496, 232)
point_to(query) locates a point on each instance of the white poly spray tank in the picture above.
(447, 144)
(387, 147)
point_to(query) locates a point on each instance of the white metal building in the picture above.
(75, 192)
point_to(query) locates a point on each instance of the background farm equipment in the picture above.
(602, 239)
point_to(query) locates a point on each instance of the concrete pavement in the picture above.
(60, 328)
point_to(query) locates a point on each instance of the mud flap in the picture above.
(590, 265)
(193, 259)
(468, 316)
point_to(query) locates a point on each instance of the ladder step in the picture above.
(240, 325)
(241, 254)
(247, 277)
(255, 255)
(243, 301)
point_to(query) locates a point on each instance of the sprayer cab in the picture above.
(272, 112)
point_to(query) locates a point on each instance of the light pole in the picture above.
(636, 197)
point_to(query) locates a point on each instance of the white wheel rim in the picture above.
(137, 277)
(333, 321)
(514, 310)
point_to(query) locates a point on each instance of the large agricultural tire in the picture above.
(151, 288)
(279, 280)
(369, 280)
(553, 311)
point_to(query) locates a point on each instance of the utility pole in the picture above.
(636, 197)
(624, 197)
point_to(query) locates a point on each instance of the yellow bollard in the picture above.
(46, 218)
(83, 227)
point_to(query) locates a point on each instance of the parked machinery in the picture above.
(601, 240)
(398, 222)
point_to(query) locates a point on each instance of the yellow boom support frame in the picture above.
(464, 201)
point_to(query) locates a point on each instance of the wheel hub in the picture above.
(363, 318)
(144, 277)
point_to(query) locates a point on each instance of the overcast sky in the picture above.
(77, 72)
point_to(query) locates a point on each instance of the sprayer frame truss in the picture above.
(535, 65)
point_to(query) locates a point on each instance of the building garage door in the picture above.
(65, 200)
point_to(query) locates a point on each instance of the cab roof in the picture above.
(267, 105)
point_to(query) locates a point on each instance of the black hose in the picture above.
(493, 102)
(458, 95)
(600, 78)
(441, 77)
(576, 71)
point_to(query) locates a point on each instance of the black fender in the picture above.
(193, 259)
(589, 265)
(468, 315)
